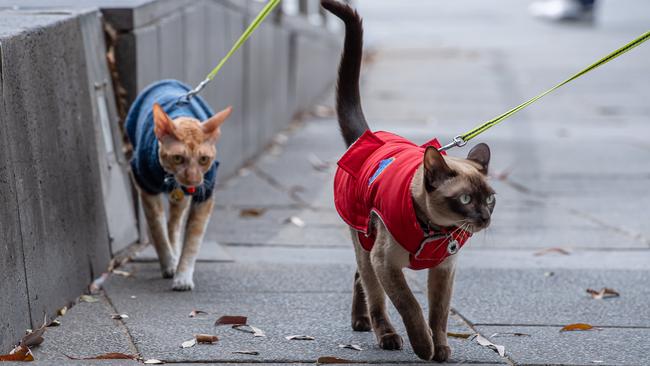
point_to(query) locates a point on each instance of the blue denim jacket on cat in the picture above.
(174, 153)
(145, 164)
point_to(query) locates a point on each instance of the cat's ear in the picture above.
(163, 125)
(212, 127)
(436, 169)
(480, 154)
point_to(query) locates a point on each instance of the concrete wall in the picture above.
(53, 219)
(65, 203)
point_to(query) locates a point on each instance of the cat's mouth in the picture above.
(475, 227)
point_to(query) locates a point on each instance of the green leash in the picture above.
(461, 140)
(268, 8)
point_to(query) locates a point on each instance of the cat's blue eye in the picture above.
(490, 199)
(465, 199)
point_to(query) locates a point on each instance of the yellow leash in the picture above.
(461, 140)
(268, 8)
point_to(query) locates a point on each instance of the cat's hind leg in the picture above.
(154, 213)
(197, 222)
(387, 337)
(360, 316)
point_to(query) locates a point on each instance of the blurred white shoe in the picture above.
(562, 10)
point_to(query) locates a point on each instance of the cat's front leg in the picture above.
(439, 288)
(388, 258)
(154, 213)
(177, 210)
(197, 222)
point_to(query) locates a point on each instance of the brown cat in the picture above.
(174, 153)
(407, 206)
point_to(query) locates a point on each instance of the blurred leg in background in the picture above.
(564, 10)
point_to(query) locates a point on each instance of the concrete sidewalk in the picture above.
(573, 174)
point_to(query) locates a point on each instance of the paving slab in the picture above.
(323, 315)
(210, 251)
(548, 346)
(531, 297)
(86, 330)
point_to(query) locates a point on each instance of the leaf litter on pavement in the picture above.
(231, 320)
(578, 327)
(299, 337)
(256, 332)
(23, 352)
(196, 313)
(355, 347)
(604, 293)
(501, 350)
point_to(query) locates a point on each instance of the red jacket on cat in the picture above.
(375, 175)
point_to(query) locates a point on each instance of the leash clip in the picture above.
(185, 99)
(458, 141)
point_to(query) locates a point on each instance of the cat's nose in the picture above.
(484, 218)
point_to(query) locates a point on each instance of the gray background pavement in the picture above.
(578, 180)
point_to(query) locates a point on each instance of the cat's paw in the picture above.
(361, 324)
(390, 341)
(168, 272)
(183, 282)
(424, 349)
(168, 266)
(442, 354)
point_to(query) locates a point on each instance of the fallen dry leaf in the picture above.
(459, 335)
(257, 332)
(195, 313)
(20, 354)
(333, 360)
(231, 320)
(323, 111)
(206, 338)
(252, 353)
(252, 212)
(188, 344)
(106, 356)
(119, 272)
(576, 327)
(62, 311)
(295, 220)
(87, 298)
(317, 163)
(54, 323)
(153, 361)
(553, 250)
(300, 338)
(501, 350)
(604, 293)
(97, 284)
(351, 346)
(119, 316)
(35, 337)
(509, 335)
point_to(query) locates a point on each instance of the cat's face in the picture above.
(187, 147)
(457, 191)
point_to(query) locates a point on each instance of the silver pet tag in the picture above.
(452, 247)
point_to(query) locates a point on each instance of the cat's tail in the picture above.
(348, 99)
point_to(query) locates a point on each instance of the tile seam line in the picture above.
(559, 326)
(129, 336)
(472, 326)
